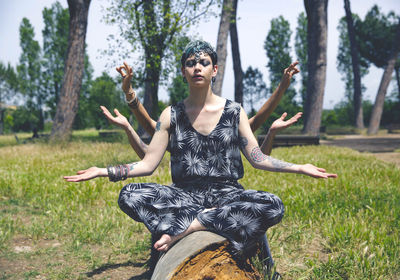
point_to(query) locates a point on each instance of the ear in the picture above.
(183, 70)
(215, 70)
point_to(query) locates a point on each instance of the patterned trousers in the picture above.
(242, 216)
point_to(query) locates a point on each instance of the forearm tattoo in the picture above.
(243, 142)
(132, 166)
(158, 125)
(277, 164)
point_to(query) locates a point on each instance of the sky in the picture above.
(253, 26)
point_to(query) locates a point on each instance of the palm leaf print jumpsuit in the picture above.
(205, 170)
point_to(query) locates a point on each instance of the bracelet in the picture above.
(117, 173)
(111, 174)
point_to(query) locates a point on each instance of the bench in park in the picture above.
(291, 140)
(393, 128)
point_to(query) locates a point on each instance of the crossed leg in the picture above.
(166, 241)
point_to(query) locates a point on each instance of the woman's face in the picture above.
(199, 70)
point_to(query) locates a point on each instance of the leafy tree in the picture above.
(150, 27)
(379, 43)
(317, 21)
(301, 52)
(55, 44)
(67, 106)
(254, 88)
(278, 49)
(345, 67)
(8, 83)
(82, 119)
(104, 92)
(29, 70)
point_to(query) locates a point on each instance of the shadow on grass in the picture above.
(107, 267)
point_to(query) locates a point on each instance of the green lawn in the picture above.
(344, 228)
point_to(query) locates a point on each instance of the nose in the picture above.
(197, 65)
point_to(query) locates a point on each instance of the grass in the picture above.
(347, 228)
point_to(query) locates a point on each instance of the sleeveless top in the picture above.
(205, 158)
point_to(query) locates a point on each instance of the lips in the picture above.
(197, 77)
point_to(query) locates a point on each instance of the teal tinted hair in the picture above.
(199, 46)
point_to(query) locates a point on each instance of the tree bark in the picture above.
(357, 96)
(222, 39)
(377, 110)
(317, 21)
(237, 65)
(67, 106)
(151, 82)
(397, 74)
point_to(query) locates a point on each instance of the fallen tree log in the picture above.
(202, 255)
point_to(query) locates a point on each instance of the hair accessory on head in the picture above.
(196, 48)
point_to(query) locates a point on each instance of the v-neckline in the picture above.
(195, 130)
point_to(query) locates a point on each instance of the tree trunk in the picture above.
(2, 119)
(237, 65)
(151, 82)
(317, 21)
(222, 44)
(357, 96)
(396, 69)
(383, 85)
(67, 106)
(202, 255)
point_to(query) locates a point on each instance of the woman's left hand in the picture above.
(316, 172)
(87, 174)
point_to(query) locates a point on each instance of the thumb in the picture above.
(283, 116)
(117, 112)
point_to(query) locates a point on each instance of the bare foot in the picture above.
(166, 241)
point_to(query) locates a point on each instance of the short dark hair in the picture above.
(199, 46)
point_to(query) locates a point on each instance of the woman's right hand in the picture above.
(87, 174)
(126, 73)
(119, 120)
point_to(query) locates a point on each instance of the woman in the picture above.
(205, 134)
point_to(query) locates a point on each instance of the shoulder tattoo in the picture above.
(158, 125)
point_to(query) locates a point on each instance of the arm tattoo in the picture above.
(158, 125)
(257, 155)
(243, 142)
(132, 165)
(277, 164)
